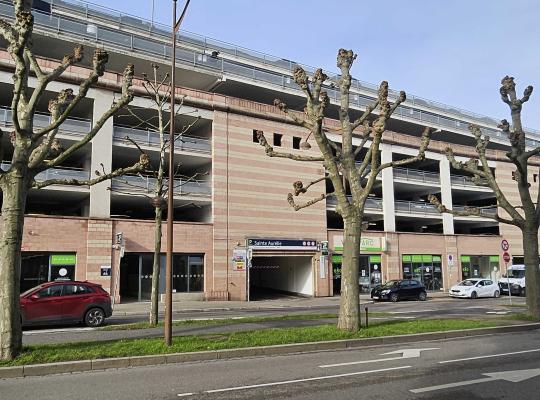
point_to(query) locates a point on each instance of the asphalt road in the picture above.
(441, 308)
(503, 366)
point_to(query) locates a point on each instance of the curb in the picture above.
(282, 349)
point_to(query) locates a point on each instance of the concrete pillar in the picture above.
(446, 195)
(100, 197)
(388, 190)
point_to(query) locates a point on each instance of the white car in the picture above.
(474, 288)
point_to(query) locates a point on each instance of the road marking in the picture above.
(490, 356)
(497, 312)
(405, 353)
(318, 378)
(185, 394)
(59, 330)
(409, 312)
(509, 376)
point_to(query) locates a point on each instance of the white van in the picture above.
(515, 278)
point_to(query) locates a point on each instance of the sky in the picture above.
(451, 51)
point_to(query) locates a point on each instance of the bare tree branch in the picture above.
(127, 96)
(140, 166)
(297, 206)
(271, 153)
(424, 143)
(469, 212)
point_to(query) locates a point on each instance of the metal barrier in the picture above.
(136, 183)
(151, 138)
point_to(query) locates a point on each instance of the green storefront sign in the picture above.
(367, 244)
(63, 259)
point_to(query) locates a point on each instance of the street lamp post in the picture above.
(170, 206)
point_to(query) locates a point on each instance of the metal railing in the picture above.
(151, 138)
(56, 173)
(415, 207)
(144, 184)
(483, 210)
(466, 181)
(372, 203)
(141, 35)
(76, 126)
(416, 175)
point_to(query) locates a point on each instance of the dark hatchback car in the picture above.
(399, 290)
(65, 302)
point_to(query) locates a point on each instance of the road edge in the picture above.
(282, 349)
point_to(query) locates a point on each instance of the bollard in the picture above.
(367, 326)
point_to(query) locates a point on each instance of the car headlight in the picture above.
(385, 291)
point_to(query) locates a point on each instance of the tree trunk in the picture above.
(154, 307)
(14, 193)
(349, 310)
(532, 272)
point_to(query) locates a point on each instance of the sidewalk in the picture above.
(282, 302)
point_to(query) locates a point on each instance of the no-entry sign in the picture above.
(506, 257)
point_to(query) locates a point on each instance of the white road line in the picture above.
(185, 394)
(60, 330)
(452, 385)
(318, 378)
(409, 312)
(490, 356)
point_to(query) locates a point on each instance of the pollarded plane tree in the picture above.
(158, 91)
(35, 150)
(345, 165)
(526, 215)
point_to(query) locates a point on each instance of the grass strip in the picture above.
(231, 321)
(522, 317)
(39, 354)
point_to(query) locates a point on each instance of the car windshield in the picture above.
(468, 282)
(31, 290)
(515, 273)
(390, 284)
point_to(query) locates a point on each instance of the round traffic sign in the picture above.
(506, 257)
(504, 245)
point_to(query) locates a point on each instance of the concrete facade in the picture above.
(247, 190)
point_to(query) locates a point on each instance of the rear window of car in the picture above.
(70, 290)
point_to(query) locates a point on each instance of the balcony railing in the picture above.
(372, 203)
(73, 126)
(56, 173)
(466, 181)
(136, 184)
(151, 138)
(151, 38)
(415, 207)
(416, 175)
(488, 211)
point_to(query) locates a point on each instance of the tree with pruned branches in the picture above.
(38, 149)
(342, 163)
(526, 215)
(158, 90)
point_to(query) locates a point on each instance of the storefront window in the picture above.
(38, 268)
(479, 267)
(425, 268)
(369, 274)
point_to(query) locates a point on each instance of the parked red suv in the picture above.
(65, 302)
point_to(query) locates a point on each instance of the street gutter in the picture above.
(174, 358)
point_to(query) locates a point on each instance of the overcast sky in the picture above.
(451, 51)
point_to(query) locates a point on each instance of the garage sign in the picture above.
(282, 244)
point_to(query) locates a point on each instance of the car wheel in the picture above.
(522, 292)
(474, 295)
(422, 296)
(94, 317)
(496, 294)
(394, 297)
